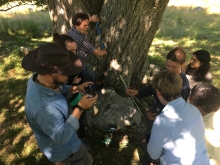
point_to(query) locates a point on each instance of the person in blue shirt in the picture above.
(53, 121)
(177, 136)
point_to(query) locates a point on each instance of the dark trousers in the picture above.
(80, 157)
(81, 131)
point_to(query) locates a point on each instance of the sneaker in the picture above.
(86, 143)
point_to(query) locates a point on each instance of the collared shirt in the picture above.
(212, 136)
(84, 48)
(149, 91)
(177, 136)
(49, 116)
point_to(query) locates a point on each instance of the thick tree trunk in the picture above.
(127, 30)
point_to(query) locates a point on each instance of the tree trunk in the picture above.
(127, 30)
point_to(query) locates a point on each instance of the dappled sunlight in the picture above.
(112, 34)
(122, 23)
(123, 142)
(148, 23)
(161, 42)
(115, 65)
(17, 103)
(25, 132)
(43, 39)
(125, 120)
(95, 110)
(136, 156)
(23, 9)
(30, 146)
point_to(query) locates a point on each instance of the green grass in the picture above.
(180, 27)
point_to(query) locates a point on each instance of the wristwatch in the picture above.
(80, 108)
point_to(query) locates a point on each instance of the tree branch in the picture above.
(9, 6)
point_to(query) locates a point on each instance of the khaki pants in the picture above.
(81, 157)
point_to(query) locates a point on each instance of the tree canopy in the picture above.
(9, 4)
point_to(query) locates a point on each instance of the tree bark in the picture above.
(127, 30)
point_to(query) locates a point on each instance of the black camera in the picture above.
(90, 89)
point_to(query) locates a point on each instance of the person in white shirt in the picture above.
(177, 136)
(205, 97)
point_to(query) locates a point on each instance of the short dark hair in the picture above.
(177, 55)
(169, 84)
(61, 39)
(78, 18)
(206, 96)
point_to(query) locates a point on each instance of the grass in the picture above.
(181, 26)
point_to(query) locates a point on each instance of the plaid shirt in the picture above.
(84, 48)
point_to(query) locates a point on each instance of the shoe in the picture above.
(86, 143)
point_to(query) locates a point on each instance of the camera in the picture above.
(90, 89)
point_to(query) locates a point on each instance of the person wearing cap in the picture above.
(177, 136)
(53, 121)
(79, 31)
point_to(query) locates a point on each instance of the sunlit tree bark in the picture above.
(127, 30)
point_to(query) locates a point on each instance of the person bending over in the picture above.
(175, 60)
(177, 136)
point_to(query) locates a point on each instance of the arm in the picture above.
(54, 120)
(99, 52)
(159, 136)
(146, 91)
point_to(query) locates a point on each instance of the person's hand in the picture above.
(151, 116)
(94, 18)
(86, 101)
(81, 87)
(105, 52)
(131, 92)
(76, 80)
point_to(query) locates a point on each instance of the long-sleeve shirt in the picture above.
(84, 48)
(150, 91)
(177, 136)
(49, 116)
(212, 136)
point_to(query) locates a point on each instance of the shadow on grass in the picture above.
(18, 144)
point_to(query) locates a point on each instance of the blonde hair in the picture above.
(169, 84)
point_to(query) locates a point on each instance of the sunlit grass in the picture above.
(31, 23)
(181, 26)
(192, 30)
